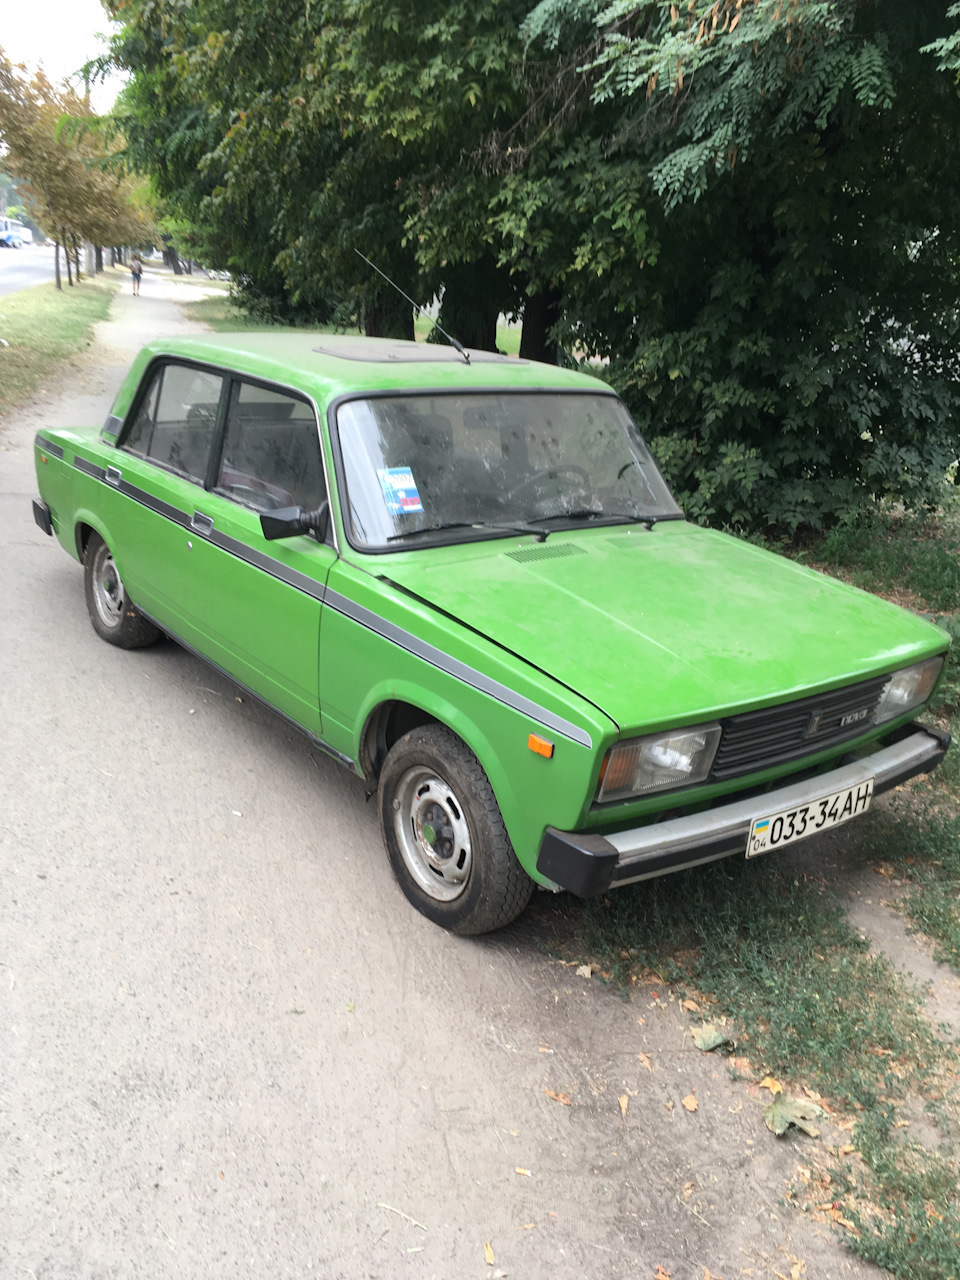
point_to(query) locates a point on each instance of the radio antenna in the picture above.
(416, 306)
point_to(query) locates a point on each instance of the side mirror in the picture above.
(288, 522)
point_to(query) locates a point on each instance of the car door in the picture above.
(162, 463)
(257, 602)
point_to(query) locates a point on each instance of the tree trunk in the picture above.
(540, 314)
(473, 297)
(76, 258)
(98, 251)
(56, 261)
(389, 316)
(66, 254)
(172, 259)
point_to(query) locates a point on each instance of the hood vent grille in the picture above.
(548, 551)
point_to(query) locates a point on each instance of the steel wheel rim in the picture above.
(432, 834)
(108, 593)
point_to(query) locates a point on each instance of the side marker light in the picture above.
(540, 746)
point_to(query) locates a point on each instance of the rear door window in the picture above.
(176, 421)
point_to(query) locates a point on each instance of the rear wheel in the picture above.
(113, 616)
(444, 834)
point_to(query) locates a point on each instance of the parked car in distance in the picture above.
(466, 580)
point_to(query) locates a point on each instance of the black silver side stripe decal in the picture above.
(452, 666)
(357, 613)
(48, 446)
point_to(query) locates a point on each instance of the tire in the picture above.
(466, 878)
(113, 615)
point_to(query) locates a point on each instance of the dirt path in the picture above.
(230, 1049)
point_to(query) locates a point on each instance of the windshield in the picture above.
(453, 467)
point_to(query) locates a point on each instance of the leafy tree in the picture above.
(65, 167)
(793, 352)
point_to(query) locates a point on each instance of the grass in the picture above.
(767, 947)
(44, 328)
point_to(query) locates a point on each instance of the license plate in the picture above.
(790, 825)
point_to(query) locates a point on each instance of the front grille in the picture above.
(760, 739)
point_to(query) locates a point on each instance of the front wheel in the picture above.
(445, 837)
(113, 615)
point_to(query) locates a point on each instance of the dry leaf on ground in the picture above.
(708, 1037)
(645, 1060)
(784, 1112)
(562, 1098)
(524, 1173)
(774, 1086)
(488, 1257)
(624, 1103)
(690, 1102)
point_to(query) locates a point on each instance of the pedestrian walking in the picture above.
(136, 271)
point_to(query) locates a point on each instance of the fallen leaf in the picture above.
(624, 1103)
(884, 869)
(488, 1257)
(707, 1038)
(669, 1105)
(784, 1112)
(584, 970)
(645, 1060)
(691, 1006)
(524, 1173)
(661, 1274)
(527, 1226)
(709, 1275)
(688, 1190)
(562, 1098)
(798, 1268)
(774, 1086)
(847, 1150)
(690, 1102)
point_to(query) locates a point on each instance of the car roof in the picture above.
(328, 365)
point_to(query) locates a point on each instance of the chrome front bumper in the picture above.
(589, 864)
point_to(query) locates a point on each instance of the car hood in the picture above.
(668, 625)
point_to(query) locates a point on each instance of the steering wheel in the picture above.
(544, 474)
(257, 498)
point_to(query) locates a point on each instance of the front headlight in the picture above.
(908, 689)
(642, 765)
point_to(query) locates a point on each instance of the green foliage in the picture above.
(790, 353)
(742, 207)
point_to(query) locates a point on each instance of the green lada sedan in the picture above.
(464, 577)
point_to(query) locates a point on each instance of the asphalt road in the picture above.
(23, 268)
(230, 1048)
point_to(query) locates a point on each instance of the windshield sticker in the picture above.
(400, 491)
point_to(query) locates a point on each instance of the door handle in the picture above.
(201, 523)
(112, 475)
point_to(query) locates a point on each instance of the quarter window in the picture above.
(271, 451)
(176, 421)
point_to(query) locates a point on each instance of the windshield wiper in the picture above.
(470, 524)
(432, 528)
(585, 513)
